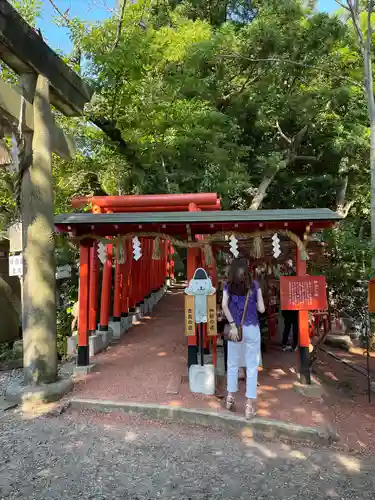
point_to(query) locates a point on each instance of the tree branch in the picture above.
(289, 61)
(354, 14)
(285, 137)
(342, 5)
(119, 26)
(63, 15)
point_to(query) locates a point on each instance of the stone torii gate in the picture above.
(44, 80)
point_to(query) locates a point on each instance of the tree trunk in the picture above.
(40, 356)
(342, 207)
(262, 189)
(369, 86)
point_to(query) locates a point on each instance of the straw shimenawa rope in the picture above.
(216, 237)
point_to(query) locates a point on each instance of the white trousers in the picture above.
(245, 353)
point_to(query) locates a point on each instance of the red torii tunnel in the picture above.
(138, 284)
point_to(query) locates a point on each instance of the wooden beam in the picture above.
(24, 50)
(10, 104)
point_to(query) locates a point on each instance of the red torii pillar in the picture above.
(117, 291)
(106, 289)
(83, 320)
(303, 329)
(192, 358)
(127, 280)
(94, 288)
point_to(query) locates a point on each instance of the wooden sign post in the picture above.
(211, 316)
(200, 309)
(189, 316)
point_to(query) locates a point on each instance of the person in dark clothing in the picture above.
(290, 318)
(290, 323)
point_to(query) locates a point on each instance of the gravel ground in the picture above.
(94, 456)
(7, 377)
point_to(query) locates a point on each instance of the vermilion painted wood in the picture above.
(153, 200)
(94, 287)
(106, 287)
(84, 279)
(117, 291)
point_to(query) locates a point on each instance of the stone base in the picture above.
(139, 311)
(147, 306)
(72, 343)
(116, 329)
(135, 318)
(106, 337)
(125, 324)
(84, 370)
(18, 393)
(202, 379)
(95, 344)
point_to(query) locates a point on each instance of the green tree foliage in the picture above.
(261, 101)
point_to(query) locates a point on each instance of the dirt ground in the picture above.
(96, 457)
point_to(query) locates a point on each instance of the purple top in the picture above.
(237, 306)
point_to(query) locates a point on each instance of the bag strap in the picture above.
(245, 309)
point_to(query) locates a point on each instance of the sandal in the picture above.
(230, 403)
(250, 411)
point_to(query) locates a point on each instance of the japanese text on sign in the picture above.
(211, 316)
(303, 293)
(189, 315)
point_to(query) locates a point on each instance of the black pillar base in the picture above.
(103, 328)
(305, 365)
(192, 355)
(83, 358)
(116, 319)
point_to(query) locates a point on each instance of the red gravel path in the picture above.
(152, 357)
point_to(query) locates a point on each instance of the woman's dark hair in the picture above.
(239, 278)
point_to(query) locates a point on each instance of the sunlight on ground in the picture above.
(267, 388)
(285, 386)
(30, 410)
(298, 454)
(247, 433)
(350, 463)
(264, 404)
(318, 417)
(263, 413)
(161, 354)
(260, 447)
(277, 373)
(131, 436)
(214, 404)
(331, 376)
(44, 473)
(299, 410)
(175, 403)
(331, 493)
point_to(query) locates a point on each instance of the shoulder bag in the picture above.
(227, 335)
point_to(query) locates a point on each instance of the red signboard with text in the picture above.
(303, 293)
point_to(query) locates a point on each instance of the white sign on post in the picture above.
(15, 265)
(15, 237)
(63, 272)
(200, 286)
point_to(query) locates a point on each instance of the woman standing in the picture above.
(242, 298)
